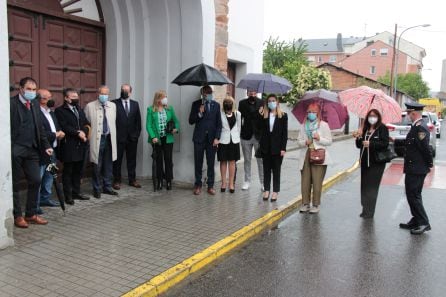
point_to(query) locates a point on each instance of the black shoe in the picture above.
(81, 197)
(168, 186)
(69, 201)
(420, 229)
(222, 190)
(159, 185)
(232, 191)
(110, 192)
(97, 195)
(50, 203)
(408, 226)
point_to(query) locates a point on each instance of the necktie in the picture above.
(208, 107)
(28, 104)
(76, 113)
(104, 122)
(126, 107)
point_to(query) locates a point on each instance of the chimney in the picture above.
(339, 42)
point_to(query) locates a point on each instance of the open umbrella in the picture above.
(332, 111)
(360, 100)
(52, 168)
(201, 75)
(265, 83)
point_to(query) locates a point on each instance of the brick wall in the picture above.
(221, 43)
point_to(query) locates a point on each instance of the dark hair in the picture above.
(272, 96)
(130, 87)
(68, 91)
(26, 80)
(366, 122)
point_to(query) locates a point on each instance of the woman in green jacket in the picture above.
(161, 124)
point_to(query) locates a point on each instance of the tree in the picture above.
(410, 83)
(309, 78)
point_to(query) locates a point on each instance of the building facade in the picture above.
(146, 43)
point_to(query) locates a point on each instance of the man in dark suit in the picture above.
(205, 114)
(72, 149)
(417, 164)
(53, 134)
(28, 145)
(128, 129)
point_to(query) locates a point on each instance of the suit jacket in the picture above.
(249, 114)
(228, 134)
(208, 125)
(95, 115)
(379, 141)
(16, 114)
(271, 143)
(71, 148)
(418, 156)
(152, 124)
(128, 127)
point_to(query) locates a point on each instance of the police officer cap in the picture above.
(414, 106)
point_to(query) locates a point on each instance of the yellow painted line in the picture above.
(174, 275)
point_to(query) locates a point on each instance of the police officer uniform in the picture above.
(417, 163)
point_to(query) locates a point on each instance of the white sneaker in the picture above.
(246, 186)
(304, 208)
(315, 209)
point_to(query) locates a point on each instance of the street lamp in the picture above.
(395, 76)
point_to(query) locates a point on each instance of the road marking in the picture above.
(401, 203)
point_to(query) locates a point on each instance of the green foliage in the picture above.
(410, 83)
(443, 113)
(309, 78)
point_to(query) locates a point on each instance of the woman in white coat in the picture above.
(229, 147)
(314, 134)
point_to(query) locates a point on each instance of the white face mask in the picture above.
(372, 120)
(164, 101)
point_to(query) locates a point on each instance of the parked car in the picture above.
(437, 124)
(398, 133)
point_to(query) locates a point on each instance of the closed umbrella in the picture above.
(53, 169)
(201, 75)
(265, 83)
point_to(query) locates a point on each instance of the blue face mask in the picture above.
(272, 105)
(209, 97)
(103, 98)
(312, 116)
(29, 95)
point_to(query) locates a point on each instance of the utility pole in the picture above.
(392, 70)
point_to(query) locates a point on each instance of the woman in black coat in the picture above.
(273, 123)
(373, 138)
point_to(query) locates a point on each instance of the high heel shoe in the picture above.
(265, 195)
(222, 190)
(168, 186)
(274, 197)
(232, 191)
(160, 184)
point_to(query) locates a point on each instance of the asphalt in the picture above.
(336, 253)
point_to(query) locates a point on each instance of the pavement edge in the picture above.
(174, 275)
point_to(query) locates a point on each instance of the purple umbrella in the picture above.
(332, 111)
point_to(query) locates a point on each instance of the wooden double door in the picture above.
(58, 53)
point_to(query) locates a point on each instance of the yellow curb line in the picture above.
(174, 275)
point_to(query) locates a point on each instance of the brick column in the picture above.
(221, 43)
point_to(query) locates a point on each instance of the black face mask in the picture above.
(227, 107)
(252, 98)
(74, 101)
(50, 103)
(124, 94)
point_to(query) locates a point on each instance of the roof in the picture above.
(328, 44)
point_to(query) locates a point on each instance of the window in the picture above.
(332, 59)
(372, 70)
(373, 52)
(384, 52)
(319, 59)
(311, 58)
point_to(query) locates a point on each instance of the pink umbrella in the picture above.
(360, 100)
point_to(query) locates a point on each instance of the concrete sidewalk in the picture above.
(107, 247)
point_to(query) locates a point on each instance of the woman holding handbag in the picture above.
(315, 134)
(161, 125)
(372, 141)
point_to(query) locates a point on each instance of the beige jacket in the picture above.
(94, 113)
(324, 141)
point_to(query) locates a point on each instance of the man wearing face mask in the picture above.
(128, 129)
(250, 135)
(28, 145)
(103, 150)
(205, 115)
(72, 148)
(53, 134)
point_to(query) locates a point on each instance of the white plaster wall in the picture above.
(443, 77)
(6, 218)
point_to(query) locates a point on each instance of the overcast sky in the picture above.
(293, 19)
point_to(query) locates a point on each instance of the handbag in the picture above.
(385, 156)
(317, 156)
(170, 126)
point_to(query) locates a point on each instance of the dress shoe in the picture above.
(420, 229)
(69, 201)
(81, 197)
(35, 219)
(197, 190)
(20, 222)
(211, 191)
(117, 186)
(39, 211)
(408, 226)
(134, 184)
(50, 203)
(110, 192)
(97, 195)
(168, 186)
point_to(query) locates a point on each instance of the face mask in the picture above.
(272, 105)
(252, 98)
(29, 95)
(50, 103)
(124, 94)
(227, 106)
(209, 97)
(164, 101)
(312, 116)
(372, 120)
(74, 101)
(103, 98)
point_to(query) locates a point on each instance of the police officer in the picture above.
(417, 163)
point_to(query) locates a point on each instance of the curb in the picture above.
(174, 275)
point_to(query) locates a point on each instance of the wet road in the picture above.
(336, 253)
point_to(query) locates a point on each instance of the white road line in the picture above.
(398, 208)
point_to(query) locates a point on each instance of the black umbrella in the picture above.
(53, 169)
(201, 75)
